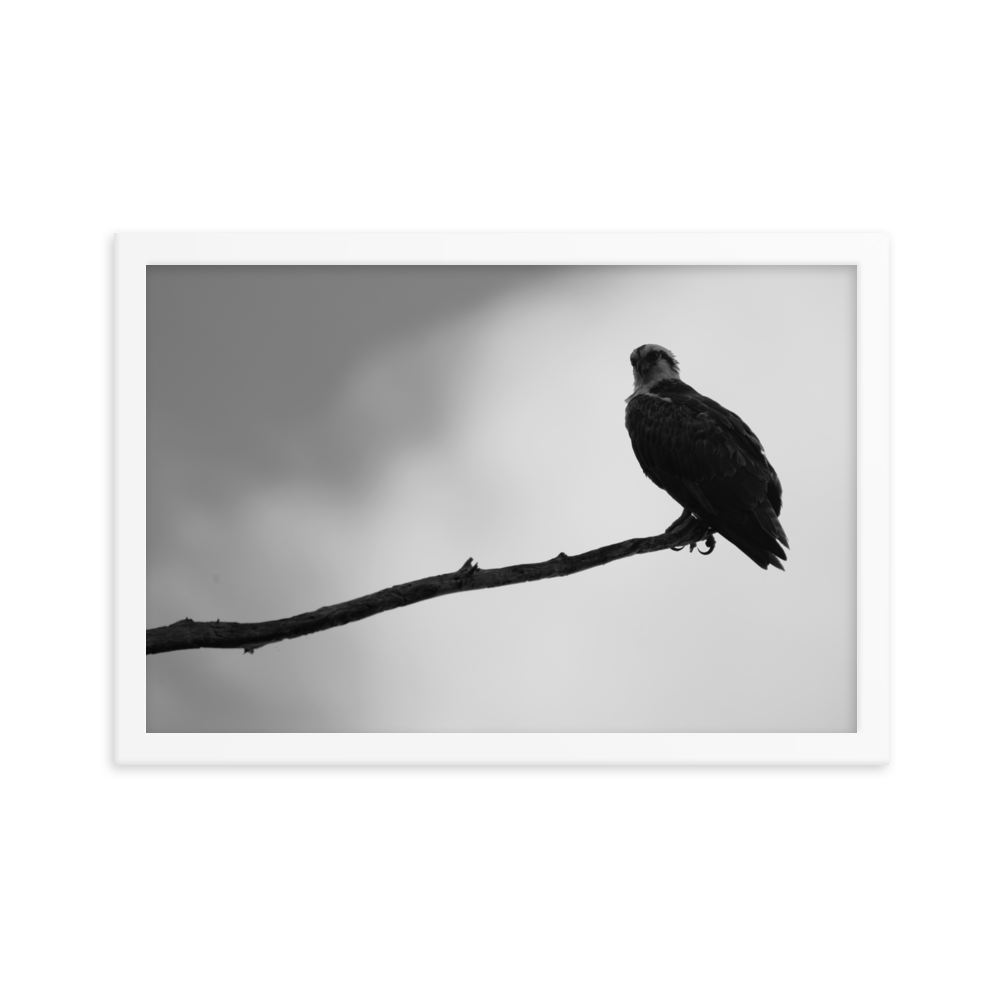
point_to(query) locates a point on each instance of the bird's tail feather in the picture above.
(759, 538)
(768, 520)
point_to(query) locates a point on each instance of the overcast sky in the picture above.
(317, 433)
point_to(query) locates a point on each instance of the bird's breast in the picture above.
(644, 391)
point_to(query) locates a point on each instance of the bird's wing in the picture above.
(694, 439)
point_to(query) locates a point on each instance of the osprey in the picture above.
(706, 458)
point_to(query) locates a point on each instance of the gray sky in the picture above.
(317, 433)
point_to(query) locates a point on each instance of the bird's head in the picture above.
(651, 364)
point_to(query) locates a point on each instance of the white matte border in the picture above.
(868, 251)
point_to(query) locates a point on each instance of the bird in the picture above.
(706, 458)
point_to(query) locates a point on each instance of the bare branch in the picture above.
(687, 531)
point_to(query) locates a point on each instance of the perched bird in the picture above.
(706, 458)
